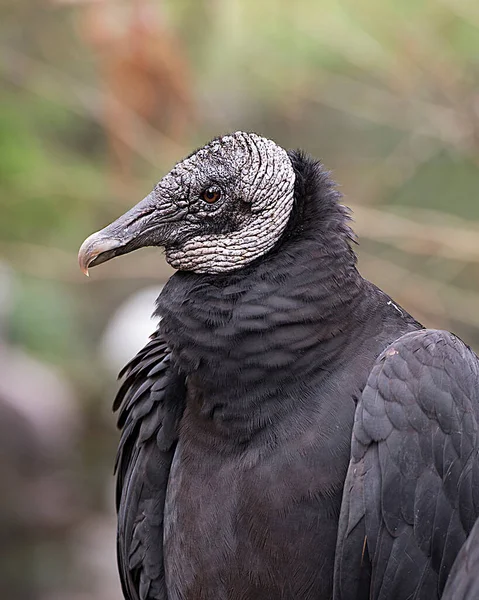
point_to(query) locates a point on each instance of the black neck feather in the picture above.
(318, 212)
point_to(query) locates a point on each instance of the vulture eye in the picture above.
(211, 194)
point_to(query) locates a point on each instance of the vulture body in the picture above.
(237, 478)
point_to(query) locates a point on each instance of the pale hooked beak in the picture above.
(146, 224)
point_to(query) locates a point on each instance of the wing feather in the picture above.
(411, 495)
(463, 581)
(150, 403)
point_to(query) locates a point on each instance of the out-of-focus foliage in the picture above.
(101, 97)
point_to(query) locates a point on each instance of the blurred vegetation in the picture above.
(101, 97)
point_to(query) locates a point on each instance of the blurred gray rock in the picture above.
(129, 328)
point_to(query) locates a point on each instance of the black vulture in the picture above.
(278, 379)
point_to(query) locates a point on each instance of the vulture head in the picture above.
(217, 210)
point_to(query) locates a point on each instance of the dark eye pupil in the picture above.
(211, 194)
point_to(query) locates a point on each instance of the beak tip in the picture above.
(83, 266)
(92, 248)
(84, 258)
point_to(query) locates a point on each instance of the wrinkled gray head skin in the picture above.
(253, 182)
(257, 182)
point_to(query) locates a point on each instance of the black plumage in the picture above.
(151, 401)
(463, 581)
(412, 487)
(237, 420)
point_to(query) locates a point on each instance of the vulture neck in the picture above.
(248, 340)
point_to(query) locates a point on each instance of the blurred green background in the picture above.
(99, 99)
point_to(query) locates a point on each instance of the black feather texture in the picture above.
(150, 401)
(463, 581)
(412, 491)
(317, 208)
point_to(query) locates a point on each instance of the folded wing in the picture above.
(151, 402)
(412, 490)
